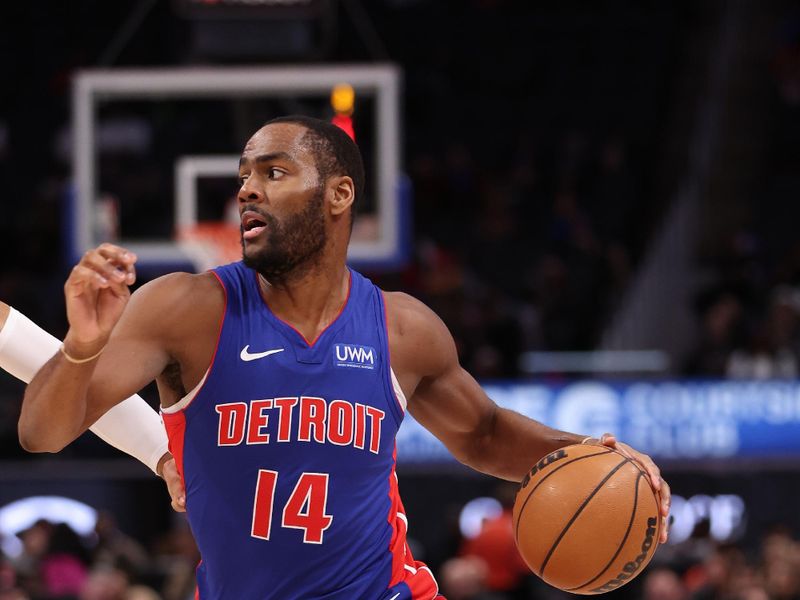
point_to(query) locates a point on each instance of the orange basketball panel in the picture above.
(586, 519)
(550, 499)
(638, 548)
(602, 527)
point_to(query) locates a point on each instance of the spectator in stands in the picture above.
(178, 556)
(35, 540)
(714, 576)
(464, 578)
(752, 592)
(105, 583)
(495, 546)
(8, 582)
(63, 569)
(782, 579)
(772, 349)
(116, 549)
(720, 317)
(140, 592)
(663, 584)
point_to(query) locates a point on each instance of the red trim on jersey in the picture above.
(421, 583)
(197, 587)
(319, 335)
(413, 573)
(219, 337)
(389, 352)
(216, 346)
(175, 423)
(397, 545)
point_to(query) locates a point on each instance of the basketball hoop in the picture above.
(209, 244)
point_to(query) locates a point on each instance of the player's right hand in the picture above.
(177, 494)
(96, 293)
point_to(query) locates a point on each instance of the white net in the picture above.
(210, 244)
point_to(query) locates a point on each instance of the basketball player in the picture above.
(25, 347)
(283, 380)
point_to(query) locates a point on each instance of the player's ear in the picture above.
(344, 193)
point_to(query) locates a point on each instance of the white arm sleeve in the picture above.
(131, 426)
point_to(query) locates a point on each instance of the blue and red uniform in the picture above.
(287, 452)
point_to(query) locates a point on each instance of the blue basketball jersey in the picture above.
(287, 452)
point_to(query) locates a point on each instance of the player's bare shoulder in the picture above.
(419, 340)
(177, 306)
(182, 313)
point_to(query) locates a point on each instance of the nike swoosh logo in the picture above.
(247, 357)
(395, 596)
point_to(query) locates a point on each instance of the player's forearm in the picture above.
(514, 443)
(56, 409)
(55, 405)
(131, 426)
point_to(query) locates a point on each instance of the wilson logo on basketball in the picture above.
(630, 569)
(545, 462)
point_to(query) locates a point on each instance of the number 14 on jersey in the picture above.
(305, 508)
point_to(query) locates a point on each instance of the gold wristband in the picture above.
(79, 361)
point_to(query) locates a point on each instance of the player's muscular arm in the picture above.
(65, 397)
(447, 401)
(169, 326)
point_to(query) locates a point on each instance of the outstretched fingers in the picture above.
(657, 482)
(666, 500)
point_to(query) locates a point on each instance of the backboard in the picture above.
(152, 99)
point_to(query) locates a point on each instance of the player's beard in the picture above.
(293, 244)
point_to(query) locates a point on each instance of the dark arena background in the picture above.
(600, 199)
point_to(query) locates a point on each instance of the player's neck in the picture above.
(312, 301)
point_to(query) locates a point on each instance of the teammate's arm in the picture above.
(132, 426)
(78, 385)
(448, 402)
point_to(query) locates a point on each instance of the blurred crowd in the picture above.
(749, 310)
(748, 337)
(530, 255)
(57, 564)
(719, 573)
(700, 570)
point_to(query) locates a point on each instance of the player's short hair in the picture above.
(335, 153)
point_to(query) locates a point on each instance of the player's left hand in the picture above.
(659, 485)
(169, 472)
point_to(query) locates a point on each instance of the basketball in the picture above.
(586, 519)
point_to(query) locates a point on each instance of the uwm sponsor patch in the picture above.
(354, 356)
